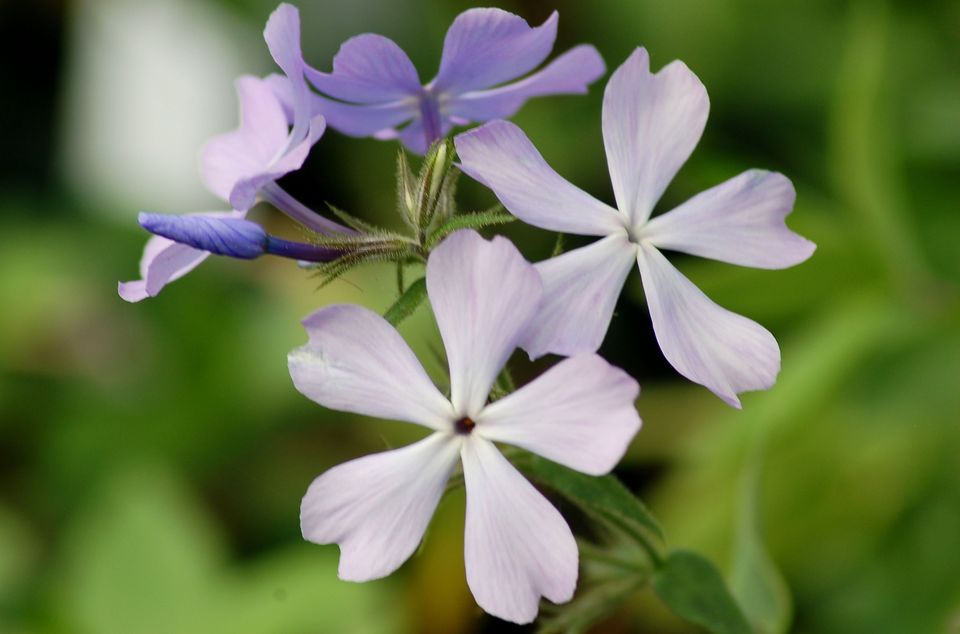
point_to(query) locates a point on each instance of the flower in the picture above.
(374, 88)
(579, 413)
(651, 123)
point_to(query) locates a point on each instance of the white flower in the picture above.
(580, 413)
(651, 123)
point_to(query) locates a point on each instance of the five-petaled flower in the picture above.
(579, 413)
(374, 89)
(651, 123)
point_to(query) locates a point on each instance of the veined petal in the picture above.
(378, 507)
(580, 291)
(569, 74)
(165, 261)
(483, 295)
(356, 362)
(244, 152)
(485, 47)
(579, 413)
(723, 351)
(740, 221)
(651, 123)
(499, 155)
(368, 68)
(517, 545)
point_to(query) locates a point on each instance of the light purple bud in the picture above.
(233, 237)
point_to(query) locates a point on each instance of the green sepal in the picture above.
(407, 303)
(406, 191)
(477, 220)
(352, 221)
(434, 174)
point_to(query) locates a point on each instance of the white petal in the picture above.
(740, 221)
(579, 413)
(517, 545)
(651, 123)
(484, 295)
(356, 362)
(500, 156)
(723, 351)
(580, 291)
(378, 507)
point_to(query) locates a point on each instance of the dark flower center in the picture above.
(464, 426)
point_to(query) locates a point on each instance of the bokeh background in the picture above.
(152, 456)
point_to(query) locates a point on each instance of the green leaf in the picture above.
(478, 220)
(603, 498)
(692, 587)
(755, 581)
(407, 303)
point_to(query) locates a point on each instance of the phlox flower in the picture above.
(579, 413)
(651, 123)
(374, 89)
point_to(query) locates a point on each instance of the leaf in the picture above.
(407, 303)
(692, 587)
(603, 498)
(478, 220)
(755, 581)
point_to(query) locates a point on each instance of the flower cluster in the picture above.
(486, 298)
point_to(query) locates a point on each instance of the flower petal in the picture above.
(723, 351)
(517, 546)
(569, 74)
(651, 123)
(579, 413)
(485, 47)
(244, 152)
(580, 291)
(282, 35)
(413, 135)
(483, 295)
(356, 362)
(368, 68)
(377, 507)
(740, 221)
(499, 155)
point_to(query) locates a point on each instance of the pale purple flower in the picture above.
(374, 89)
(580, 413)
(651, 123)
(165, 261)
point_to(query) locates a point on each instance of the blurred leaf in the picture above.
(754, 580)
(407, 303)
(691, 586)
(604, 498)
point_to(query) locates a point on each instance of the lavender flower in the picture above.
(579, 413)
(651, 123)
(374, 89)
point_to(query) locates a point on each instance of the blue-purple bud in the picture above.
(234, 237)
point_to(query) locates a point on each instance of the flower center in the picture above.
(464, 426)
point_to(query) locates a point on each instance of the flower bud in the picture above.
(234, 237)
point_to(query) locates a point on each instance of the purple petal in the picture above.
(413, 136)
(165, 261)
(580, 291)
(233, 237)
(244, 193)
(500, 156)
(651, 123)
(483, 295)
(377, 508)
(579, 413)
(368, 68)
(356, 362)
(282, 35)
(485, 47)
(569, 74)
(517, 546)
(740, 221)
(350, 119)
(723, 351)
(247, 151)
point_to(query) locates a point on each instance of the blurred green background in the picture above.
(152, 456)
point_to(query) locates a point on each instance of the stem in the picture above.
(276, 196)
(301, 251)
(400, 278)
